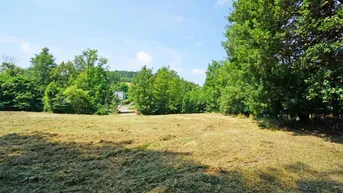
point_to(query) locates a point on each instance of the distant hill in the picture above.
(120, 76)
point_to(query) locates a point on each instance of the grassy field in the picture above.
(42, 152)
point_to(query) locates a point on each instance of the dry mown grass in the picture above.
(42, 152)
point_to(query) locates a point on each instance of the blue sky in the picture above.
(183, 34)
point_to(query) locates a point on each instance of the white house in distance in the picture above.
(121, 95)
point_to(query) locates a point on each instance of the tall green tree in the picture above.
(41, 66)
(142, 91)
(284, 57)
(320, 29)
(64, 74)
(212, 88)
(92, 76)
(168, 98)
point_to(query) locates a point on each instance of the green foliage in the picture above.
(9, 67)
(320, 28)
(85, 86)
(142, 91)
(116, 76)
(284, 60)
(88, 60)
(41, 67)
(284, 57)
(165, 93)
(64, 74)
(212, 87)
(55, 101)
(122, 86)
(193, 101)
(81, 86)
(18, 93)
(82, 89)
(79, 100)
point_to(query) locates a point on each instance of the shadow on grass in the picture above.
(331, 130)
(314, 184)
(35, 164)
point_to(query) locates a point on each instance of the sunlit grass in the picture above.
(173, 153)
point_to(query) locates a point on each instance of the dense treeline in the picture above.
(284, 60)
(117, 76)
(83, 85)
(165, 93)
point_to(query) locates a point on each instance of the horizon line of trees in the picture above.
(83, 86)
(284, 61)
(164, 92)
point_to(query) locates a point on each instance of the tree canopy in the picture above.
(284, 58)
(79, 86)
(165, 93)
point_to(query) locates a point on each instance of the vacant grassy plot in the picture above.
(176, 153)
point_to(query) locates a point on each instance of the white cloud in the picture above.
(143, 57)
(25, 47)
(197, 44)
(197, 71)
(121, 57)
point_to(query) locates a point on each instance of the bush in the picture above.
(104, 110)
(79, 100)
(126, 102)
(55, 101)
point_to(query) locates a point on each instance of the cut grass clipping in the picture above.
(42, 152)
